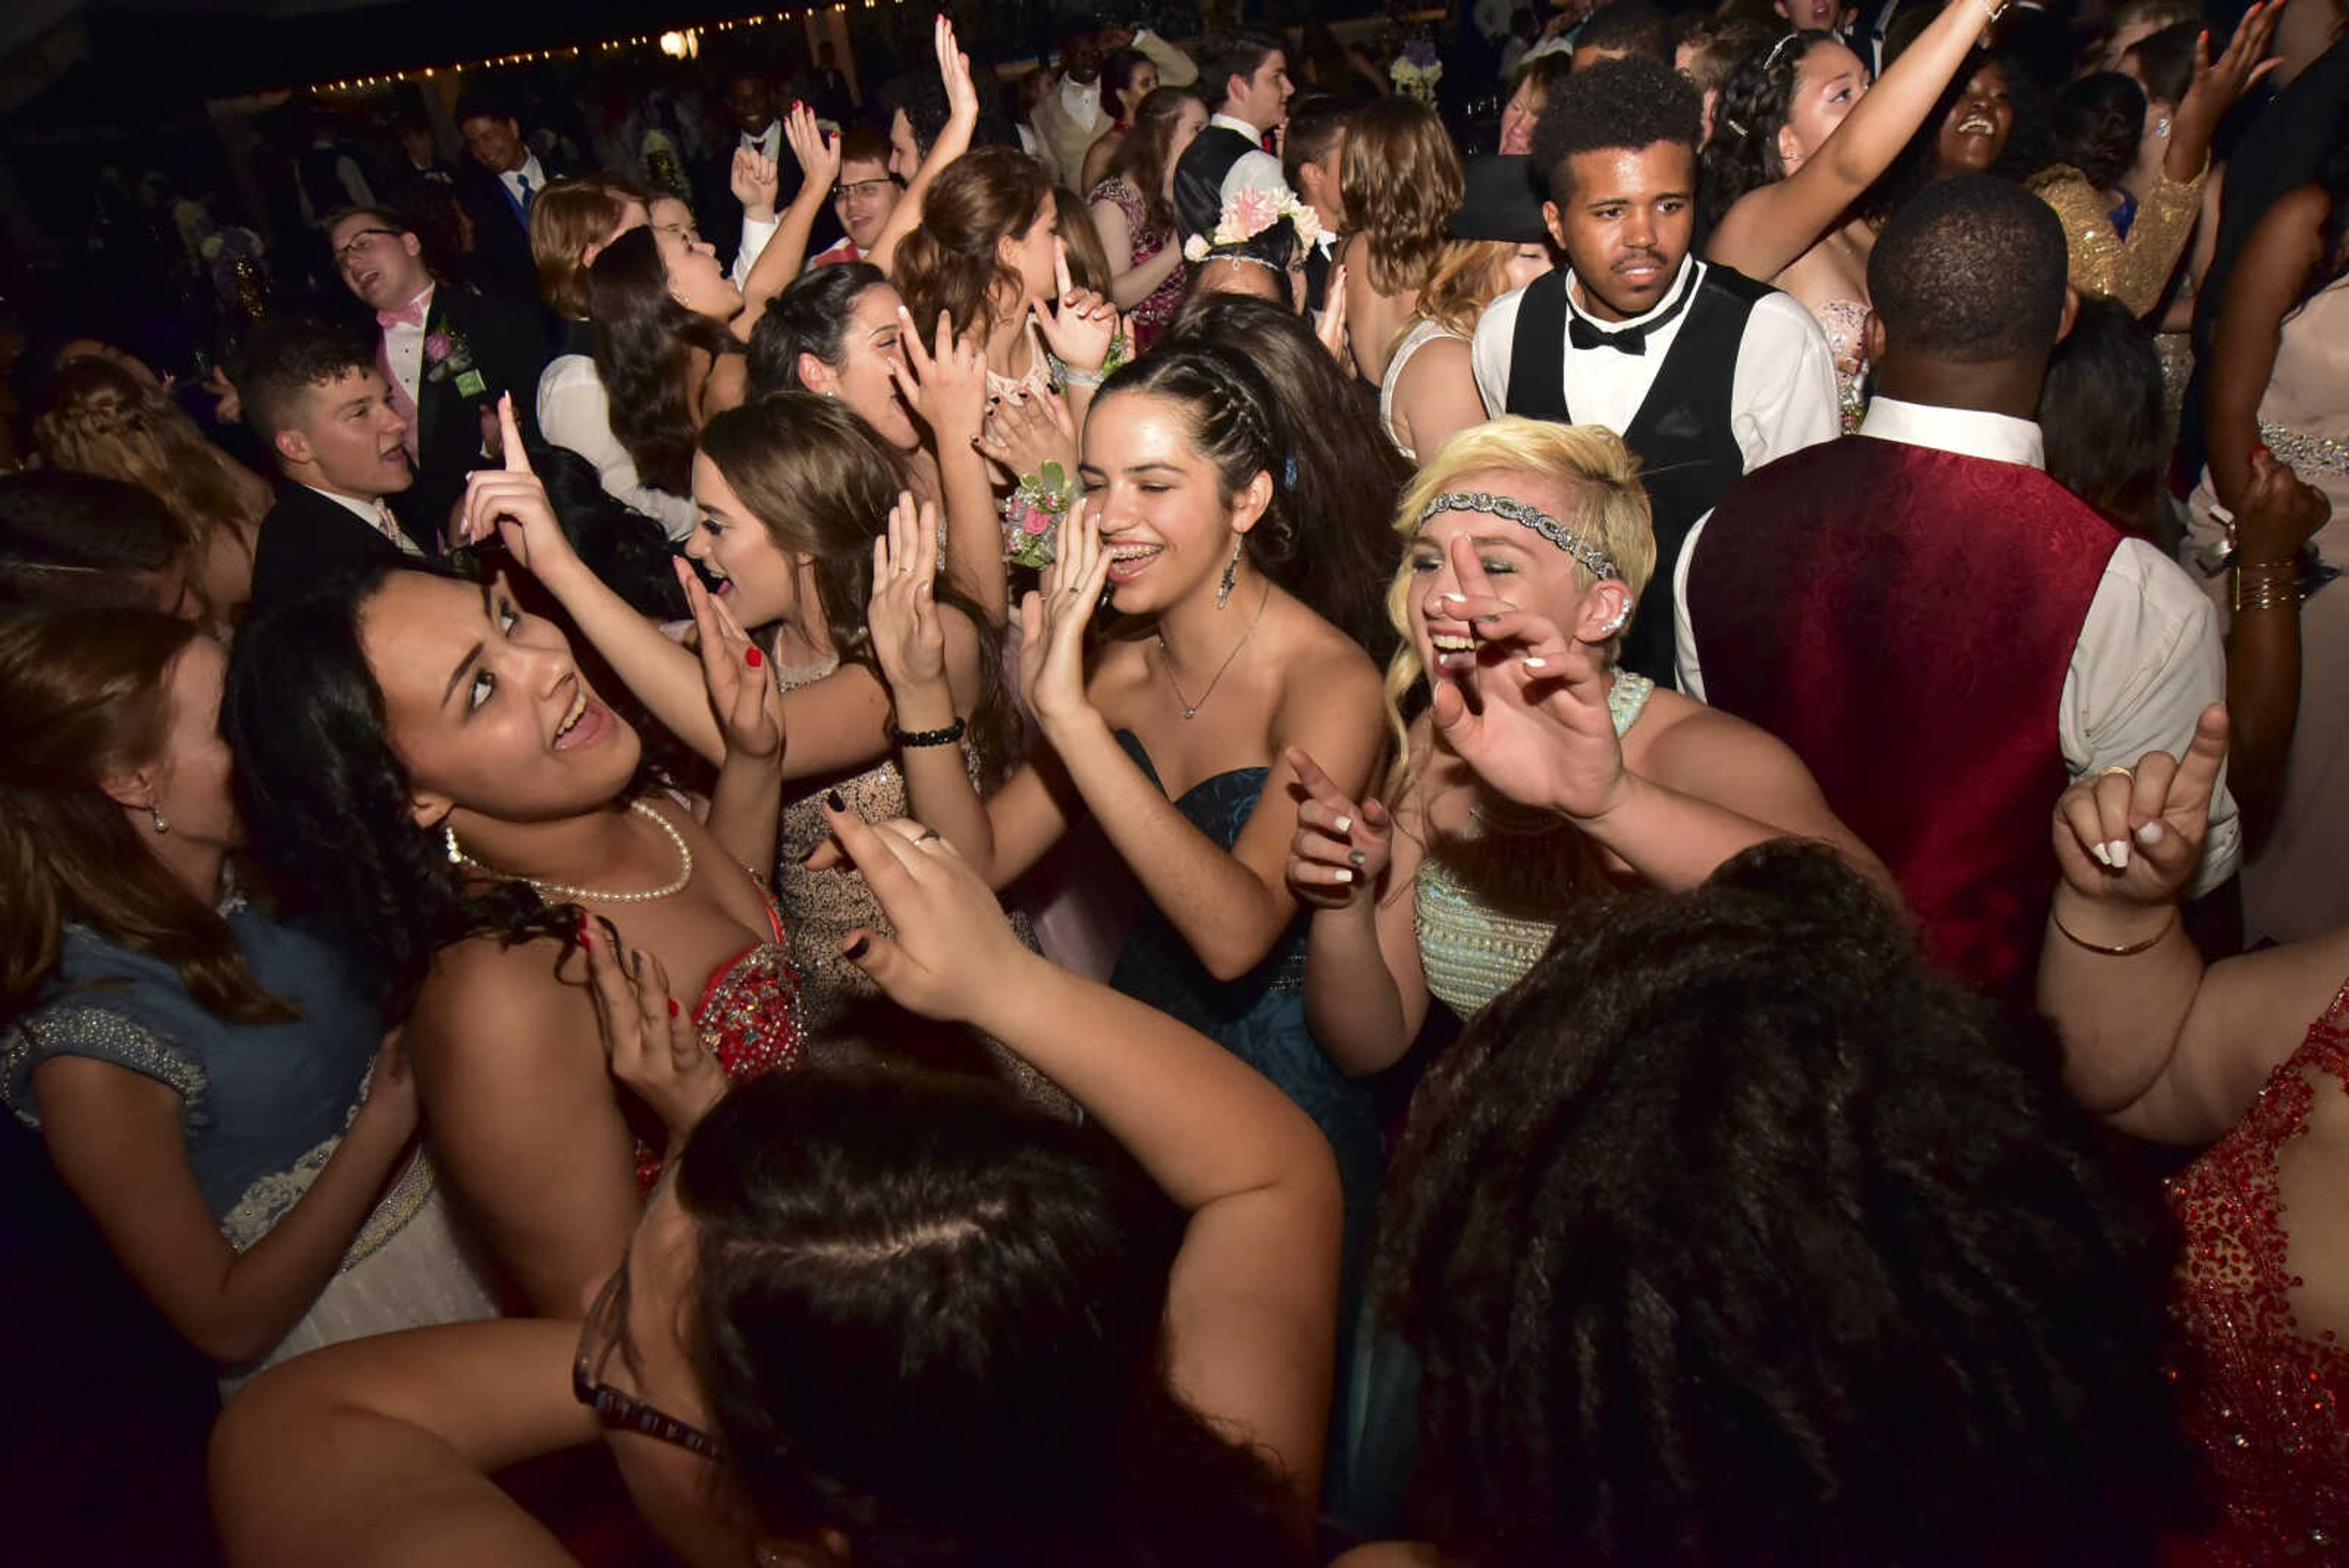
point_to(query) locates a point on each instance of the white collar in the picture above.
(1234, 122)
(774, 129)
(1969, 432)
(529, 170)
(1692, 272)
(370, 513)
(1076, 95)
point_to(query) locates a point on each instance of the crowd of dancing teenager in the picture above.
(1206, 836)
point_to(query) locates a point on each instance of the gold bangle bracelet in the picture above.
(2130, 951)
(2267, 584)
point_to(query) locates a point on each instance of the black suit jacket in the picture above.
(305, 538)
(507, 349)
(500, 264)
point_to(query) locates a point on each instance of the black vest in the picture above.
(1199, 178)
(1683, 434)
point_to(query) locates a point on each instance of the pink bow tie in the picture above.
(411, 313)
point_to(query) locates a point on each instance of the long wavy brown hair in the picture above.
(950, 263)
(1142, 158)
(1402, 179)
(82, 694)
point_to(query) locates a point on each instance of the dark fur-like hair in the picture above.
(1117, 74)
(2101, 412)
(282, 361)
(1315, 120)
(643, 351)
(2098, 121)
(1142, 158)
(82, 694)
(1630, 27)
(1229, 54)
(2333, 234)
(69, 538)
(1755, 104)
(809, 316)
(305, 717)
(1972, 268)
(1632, 103)
(947, 1347)
(923, 100)
(1316, 539)
(950, 263)
(626, 549)
(2165, 60)
(1735, 1233)
(823, 483)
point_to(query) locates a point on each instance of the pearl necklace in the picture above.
(561, 892)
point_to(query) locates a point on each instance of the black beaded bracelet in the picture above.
(946, 737)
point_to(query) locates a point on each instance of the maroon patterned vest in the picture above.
(1903, 619)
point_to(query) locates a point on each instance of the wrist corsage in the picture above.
(1121, 353)
(1032, 513)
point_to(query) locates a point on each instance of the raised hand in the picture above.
(2219, 85)
(818, 154)
(2133, 836)
(954, 75)
(1054, 618)
(653, 1046)
(755, 182)
(510, 502)
(945, 384)
(952, 945)
(1025, 429)
(902, 615)
(742, 692)
(227, 406)
(1341, 848)
(1332, 329)
(1081, 324)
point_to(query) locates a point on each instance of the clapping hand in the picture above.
(1341, 848)
(902, 616)
(742, 694)
(1081, 324)
(654, 1048)
(2133, 836)
(945, 385)
(755, 183)
(1054, 618)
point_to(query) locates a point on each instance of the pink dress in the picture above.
(1157, 309)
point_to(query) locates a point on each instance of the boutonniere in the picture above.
(446, 354)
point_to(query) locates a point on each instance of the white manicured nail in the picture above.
(1343, 825)
(1344, 875)
(1532, 662)
(2119, 847)
(2103, 856)
(2149, 835)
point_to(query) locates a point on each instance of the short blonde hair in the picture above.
(1588, 465)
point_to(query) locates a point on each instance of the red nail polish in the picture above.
(753, 657)
(672, 1007)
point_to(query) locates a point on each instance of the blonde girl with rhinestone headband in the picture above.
(1530, 772)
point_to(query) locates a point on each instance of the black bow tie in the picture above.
(1584, 333)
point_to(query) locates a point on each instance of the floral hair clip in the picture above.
(1248, 215)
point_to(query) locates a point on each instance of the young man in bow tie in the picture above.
(1704, 374)
(444, 352)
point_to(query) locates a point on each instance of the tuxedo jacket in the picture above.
(500, 264)
(305, 538)
(508, 349)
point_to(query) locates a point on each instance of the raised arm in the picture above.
(746, 801)
(1365, 992)
(962, 119)
(1251, 1307)
(944, 382)
(114, 1136)
(1769, 228)
(2153, 1042)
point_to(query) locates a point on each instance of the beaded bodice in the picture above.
(1844, 323)
(1471, 950)
(2264, 1385)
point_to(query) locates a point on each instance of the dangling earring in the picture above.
(2162, 128)
(449, 837)
(1231, 577)
(157, 818)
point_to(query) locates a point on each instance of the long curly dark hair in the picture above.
(1348, 473)
(644, 352)
(1734, 1234)
(329, 798)
(1755, 104)
(948, 1346)
(1142, 160)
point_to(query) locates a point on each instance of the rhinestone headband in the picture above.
(1592, 557)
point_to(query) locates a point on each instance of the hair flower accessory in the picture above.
(1416, 71)
(1250, 213)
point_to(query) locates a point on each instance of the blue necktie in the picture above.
(523, 182)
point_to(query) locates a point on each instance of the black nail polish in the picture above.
(856, 948)
(831, 798)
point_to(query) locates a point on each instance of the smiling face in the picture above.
(1163, 514)
(759, 583)
(1518, 117)
(861, 380)
(1829, 82)
(863, 199)
(349, 439)
(495, 144)
(1526, 571)
(1974, 131)
(385, 268)
(486, 707)
(1624, 218)
(751, 104)
(695, 281)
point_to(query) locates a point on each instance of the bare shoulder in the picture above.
(1678, 737)
(491, 1000)
(1322, 665)
(1390, 1554)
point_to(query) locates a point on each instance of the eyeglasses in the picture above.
(685, 231)
(364, 240)
(598, 1337)
(860, 188)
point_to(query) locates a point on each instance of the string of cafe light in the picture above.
(681, 42)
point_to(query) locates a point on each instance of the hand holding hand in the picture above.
(953, 947)
(510, 502)
(754, 181)
(653, 1046)
(945, 384)
(2133, 836)
(1081, 324)
(902, 616)
(1341, 848)
(2279, 514)
(1054, 618)
(742, 691)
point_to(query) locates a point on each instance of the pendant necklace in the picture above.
(1166, 661)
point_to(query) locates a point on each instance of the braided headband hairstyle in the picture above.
(1235, 422)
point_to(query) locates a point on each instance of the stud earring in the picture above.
(1231, 577)
(2161, 128)
(448, 838)
(157, 818)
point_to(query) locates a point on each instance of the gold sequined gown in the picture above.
(2137, 270)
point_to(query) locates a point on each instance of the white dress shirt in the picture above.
(768, 143)
(532, 171)
(1782, 390)
(2149, 658)
(1256, 171)
(403, 347)
(1081, 102)
(377, 515)
(574, 412)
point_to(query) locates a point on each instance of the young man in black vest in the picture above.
(1704, 374)
(1245, 76)
(445, 353)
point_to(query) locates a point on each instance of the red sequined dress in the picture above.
(2263, 1398)
(749, 1016)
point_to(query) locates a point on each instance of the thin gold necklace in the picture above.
(1166, 660)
